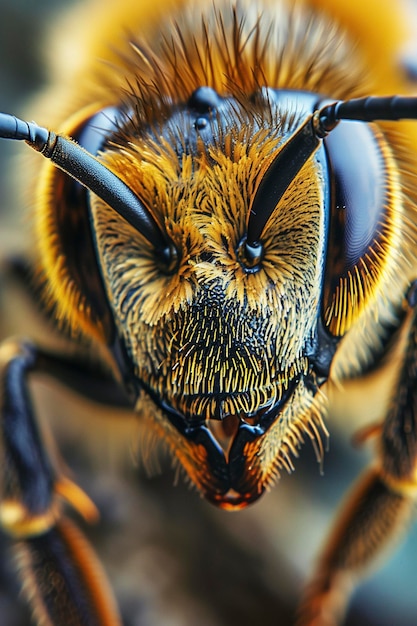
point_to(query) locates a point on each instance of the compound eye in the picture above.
(92, 133)
(360, 221)
(68, 233)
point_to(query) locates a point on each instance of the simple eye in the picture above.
(359, 220)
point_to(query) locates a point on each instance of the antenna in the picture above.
(95, 176)
(300, 147)
(87, 170)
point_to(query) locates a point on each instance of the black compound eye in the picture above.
(92, 134)
(72, 224)
(359, 221)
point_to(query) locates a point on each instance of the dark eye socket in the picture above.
(358, 219)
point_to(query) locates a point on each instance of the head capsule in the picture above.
(225, 349)
(226, 352)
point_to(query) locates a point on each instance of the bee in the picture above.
(225, 238)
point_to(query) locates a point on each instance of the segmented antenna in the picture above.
(299, 148)
(369, 109)
(96, 177)
(87, 170)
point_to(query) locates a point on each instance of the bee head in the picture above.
(220, 340)
(225, 252)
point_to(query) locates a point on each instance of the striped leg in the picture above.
(61, 576)
(380, 506)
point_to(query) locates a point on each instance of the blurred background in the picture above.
(173, 559)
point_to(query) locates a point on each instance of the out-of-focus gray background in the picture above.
(173, 559)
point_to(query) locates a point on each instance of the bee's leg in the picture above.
(382, 502)
(61, 576)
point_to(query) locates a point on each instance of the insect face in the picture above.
(220, 346)
(224, 348)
